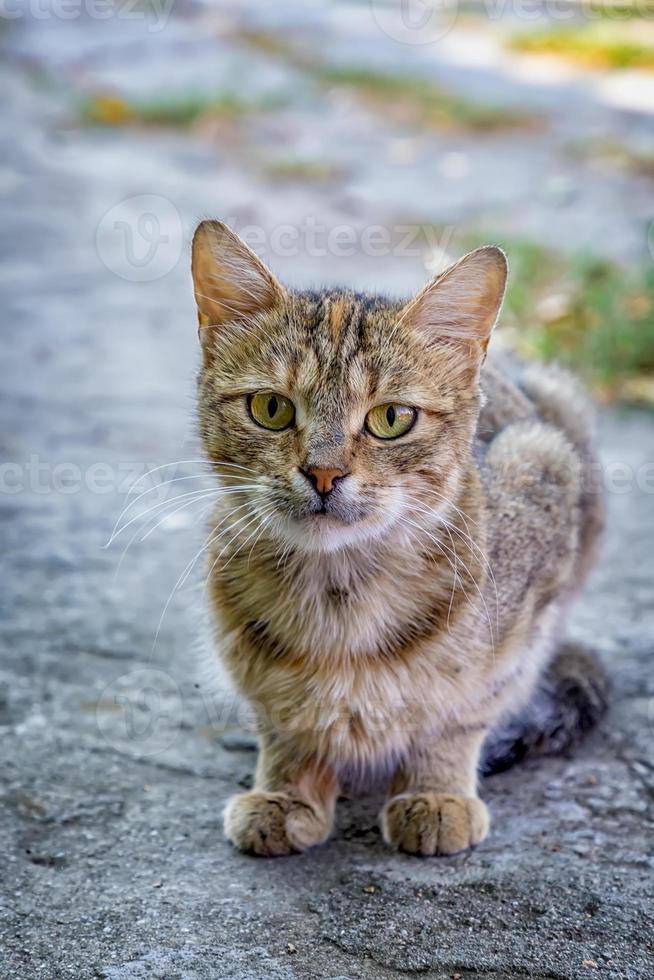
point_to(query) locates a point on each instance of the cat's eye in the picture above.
(270, 410)
(390, 420)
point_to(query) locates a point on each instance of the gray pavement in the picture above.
(120, 740)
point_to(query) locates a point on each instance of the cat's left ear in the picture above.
(231, 283)
(463, 302)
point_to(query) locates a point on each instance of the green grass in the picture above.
(298, 171)
(406, 99)
(179, 111)
(606, 45)
(589, 314)
(417, 100)
(608, 152)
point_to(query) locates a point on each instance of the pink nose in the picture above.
(323, 480)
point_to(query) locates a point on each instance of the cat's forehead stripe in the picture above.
(336, 329)
(338, 310)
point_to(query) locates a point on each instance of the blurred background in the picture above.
(367, 142)
(364, 142)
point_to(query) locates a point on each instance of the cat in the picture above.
(402, 525)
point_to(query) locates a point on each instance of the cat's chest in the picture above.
(352, 661)
(358, 709)
(335, 611)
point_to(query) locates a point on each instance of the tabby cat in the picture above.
(402, 526)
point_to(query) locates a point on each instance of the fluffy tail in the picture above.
(571, 697)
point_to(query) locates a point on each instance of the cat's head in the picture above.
(340, 414)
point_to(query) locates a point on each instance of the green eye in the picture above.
(271, 411)
(390, 421)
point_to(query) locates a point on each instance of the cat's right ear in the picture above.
(230, 282)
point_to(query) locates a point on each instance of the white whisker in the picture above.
(198, 495)
(467, 539)
(440, 544)
(187, 571)
(158, 486)
(216, 491)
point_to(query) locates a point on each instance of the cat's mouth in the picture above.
(329, 525)
(327, 511)
(323, 515)
(334, 511)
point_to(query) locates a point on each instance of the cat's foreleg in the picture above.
(291, 806)
(433, 807)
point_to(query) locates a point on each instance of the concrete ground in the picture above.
(120, 740)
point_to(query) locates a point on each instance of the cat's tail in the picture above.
(571, 697)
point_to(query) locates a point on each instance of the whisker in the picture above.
(269, 510)
(226, 531)
(198, 495)
(185, 574)
(453, 566)
(284, 557)
(208, 493)
(256, 540)
(215, 536)
(440, 544)
(468, 540)
(480, 553)
(249, 537)
(156, 469)
(158, 486)
(414, 537)
(190, 498)
(462, 534)
(217, 491)
(449, 503)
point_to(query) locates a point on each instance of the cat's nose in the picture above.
(323, 480)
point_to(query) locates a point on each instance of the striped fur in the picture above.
(392, 633)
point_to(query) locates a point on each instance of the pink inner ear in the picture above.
(452, 317)
(462, 303)
(230, 281)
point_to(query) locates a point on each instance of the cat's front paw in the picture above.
(434, 823)
(274, 824)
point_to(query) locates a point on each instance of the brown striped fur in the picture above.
(392, 632)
